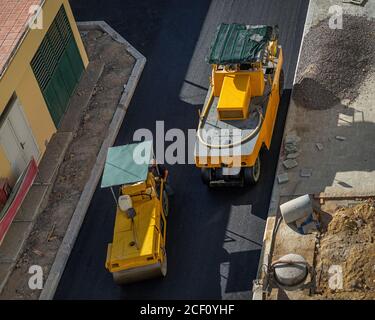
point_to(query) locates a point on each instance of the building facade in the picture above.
(42, 59)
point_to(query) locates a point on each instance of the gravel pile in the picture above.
(335, 62)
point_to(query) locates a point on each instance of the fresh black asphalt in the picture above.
(214, 237)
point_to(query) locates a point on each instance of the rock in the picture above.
(293, 155)
(319, 146)
(290, 148)
(282, 178)
(340, 138)
(292, 138)
(290, 163)
(305, 172)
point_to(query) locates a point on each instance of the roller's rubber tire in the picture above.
(159, 271)
(164, 267)
(251, 175)
(206, 175)
(281, 83)
(165, 203)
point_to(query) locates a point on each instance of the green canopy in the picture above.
(240, 43)
(127, 164)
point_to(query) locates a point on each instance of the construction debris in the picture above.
(292, 138)
(293, 155)
(340, 138)
(305, 172)
(290, 148)
(299, 213)
(296, 209)
(282, 178)
(290, 163)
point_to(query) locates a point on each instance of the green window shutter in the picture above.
(57, 65)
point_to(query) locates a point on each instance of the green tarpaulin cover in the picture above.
(238, 43)
(127, 164)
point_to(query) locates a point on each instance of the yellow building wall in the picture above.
(19, 79)
(36, 111)
(76, 34)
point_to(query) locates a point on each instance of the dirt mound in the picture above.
(334, 62)
(349, 243)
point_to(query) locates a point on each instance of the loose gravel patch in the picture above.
(334, 62)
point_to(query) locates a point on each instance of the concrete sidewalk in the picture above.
(334, 154)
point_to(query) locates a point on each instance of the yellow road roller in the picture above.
(137, 251)
(240, 110)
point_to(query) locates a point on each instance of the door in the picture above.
(17, 140)
(23, 132)
(57, 66)
(12, 149)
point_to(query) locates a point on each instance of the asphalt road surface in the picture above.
(214, 237)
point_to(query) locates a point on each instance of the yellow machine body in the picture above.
(235, 90)
(138, 248)
(235, 97)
